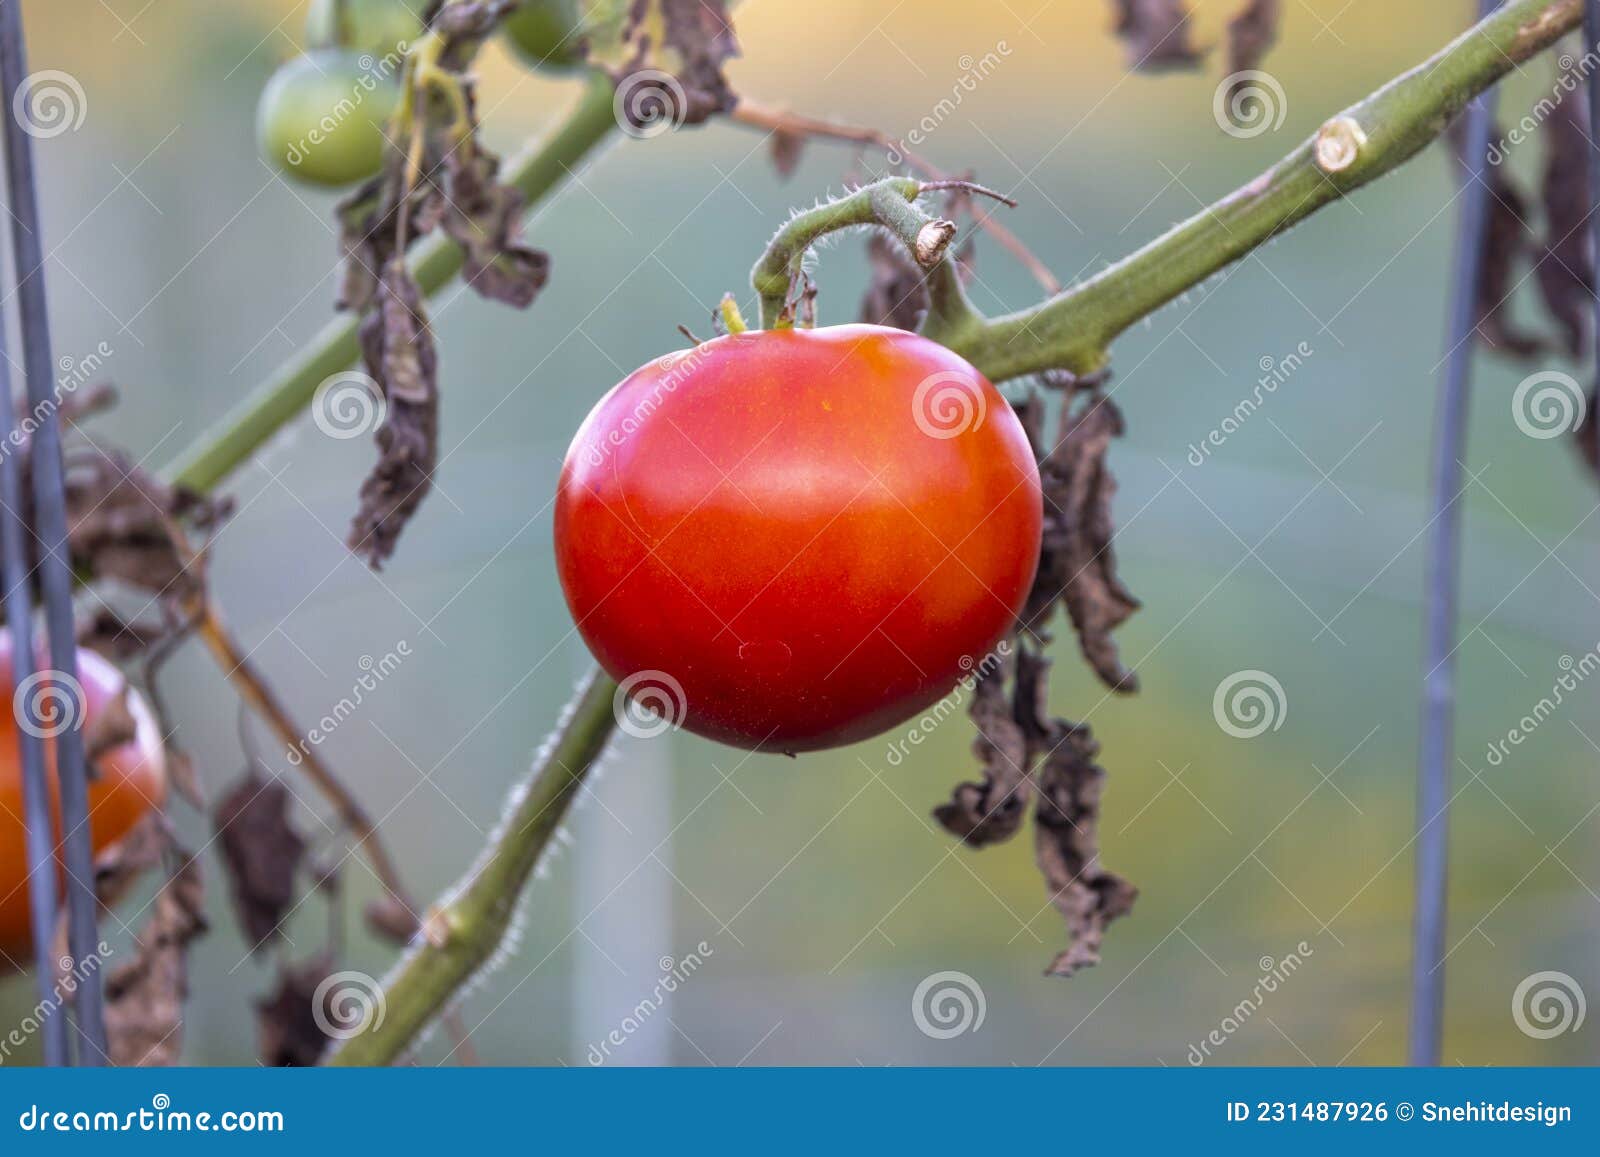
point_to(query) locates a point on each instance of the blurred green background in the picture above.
(820, 887)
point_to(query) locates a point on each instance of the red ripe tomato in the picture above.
(129, 781)
(794, 539)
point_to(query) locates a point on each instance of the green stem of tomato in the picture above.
(461, 934)
(435, 262)
(1074, 329)
(781, 265)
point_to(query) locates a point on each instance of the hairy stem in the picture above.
(773, 120)
(435, 262)
(780, 266)
(466, 928)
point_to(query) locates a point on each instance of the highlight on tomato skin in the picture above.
(128, 782)
(790, 540)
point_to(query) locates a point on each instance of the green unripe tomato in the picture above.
(322, 117)
(377, 27)
(548, 33)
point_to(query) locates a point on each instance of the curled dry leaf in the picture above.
(785, 149)
(262, 853)
(288, 1022)
(1078, 565)
(1252, 31)
(1565, 270)
(992, 810)
(122, 524)
(144, 997)
(1067, 845)
(1508, 243)
(397, 346)
(1156, 33)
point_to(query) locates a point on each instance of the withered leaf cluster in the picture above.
(1158, 36)
(1028, 756)
(668, 60)
(438, 178)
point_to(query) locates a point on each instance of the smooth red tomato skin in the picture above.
(799, 530)
(130, 781)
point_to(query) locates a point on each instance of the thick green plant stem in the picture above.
(1073, 329)
(469, 924)
(435, 261)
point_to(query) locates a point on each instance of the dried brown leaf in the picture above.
(992, 810)
(1156, 34)
(785, 149)
(671, 54)
(1067, 845)
(1565, 272)
(144, 997)
(1251, 32)
(121, 523)
(1078, 564)
(288, 1022)
(397, 345)
(262, 853)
